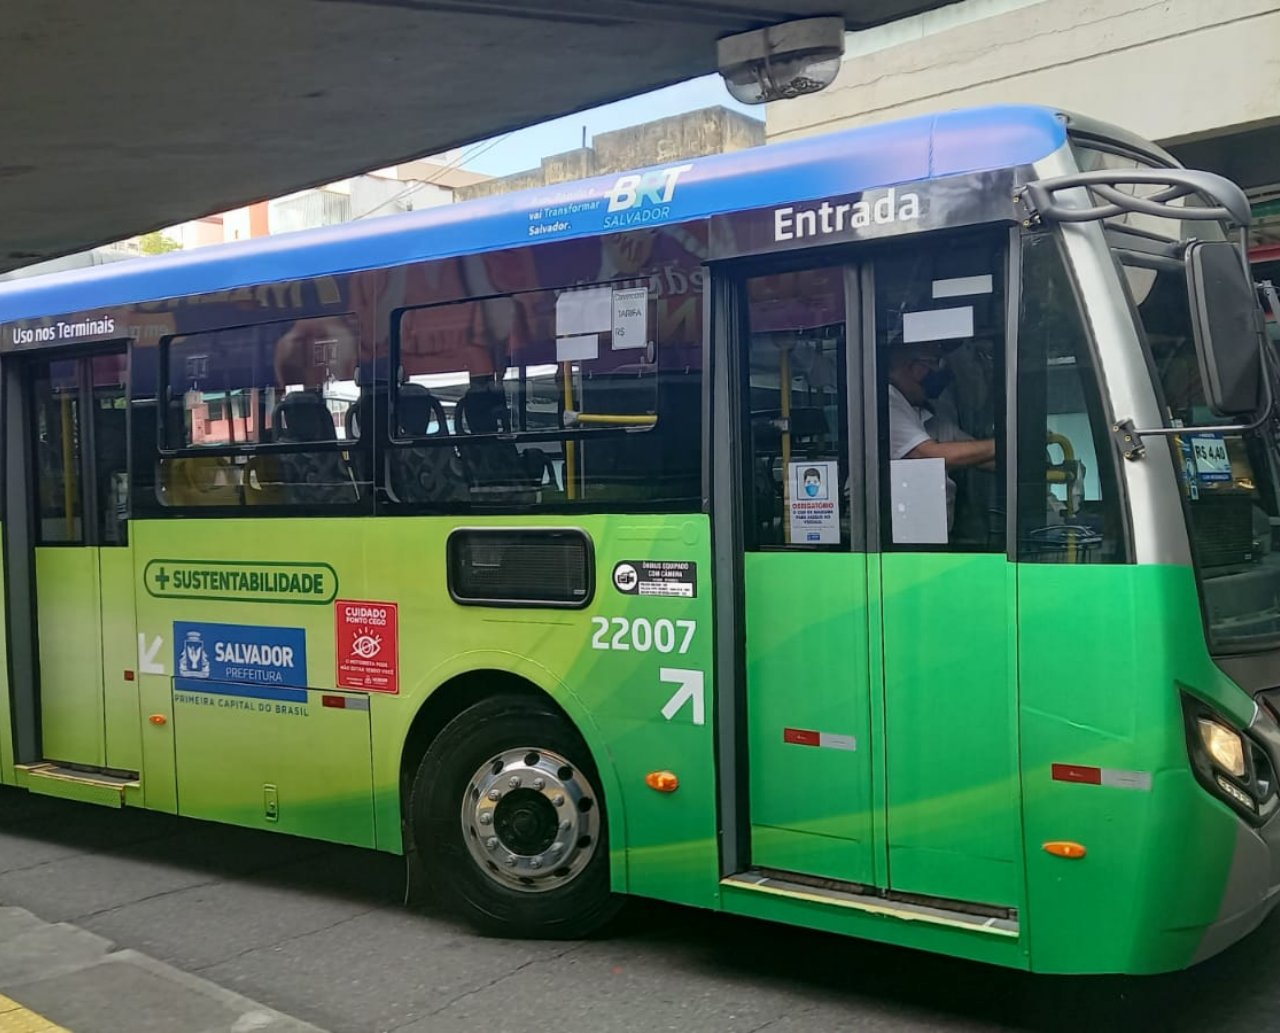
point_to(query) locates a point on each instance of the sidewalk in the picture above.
(78, 981)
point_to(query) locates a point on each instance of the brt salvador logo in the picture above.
(246, 581)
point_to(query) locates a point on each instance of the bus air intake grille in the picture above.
(533, 567)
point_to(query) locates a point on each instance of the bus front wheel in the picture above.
(509, 823)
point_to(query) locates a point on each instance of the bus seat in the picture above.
(263, 481)
(199, 481)
(495, 470)
(358, 425)
(302, 416)
(424, 472)
(313, 477)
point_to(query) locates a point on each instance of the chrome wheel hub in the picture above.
(530, 819)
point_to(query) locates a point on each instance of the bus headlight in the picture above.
(1230, 764)
(1225, 747)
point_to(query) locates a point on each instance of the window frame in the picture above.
(389, 393)
(880, 534)
(392, 391)
(163, 398)
(1104, 443)
(848, 264)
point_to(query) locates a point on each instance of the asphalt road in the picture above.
(319, 932)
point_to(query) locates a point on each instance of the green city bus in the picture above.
(875, 533)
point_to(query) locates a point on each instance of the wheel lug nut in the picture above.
(539, 783)
(514, 781)
(495, 794)
(558, 799)
(555, 847)
(564, 826)
(511, 862)
(492, 842)
(535, 863)
(486, 818)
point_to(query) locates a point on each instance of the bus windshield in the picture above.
(1229, 481)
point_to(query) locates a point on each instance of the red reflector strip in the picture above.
(828, 740)
(1077, 773)
(339, 702)
(1116, 778)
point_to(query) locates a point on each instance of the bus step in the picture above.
(957, 914)
(68, 783)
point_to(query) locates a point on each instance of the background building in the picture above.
(1201, 78)
(437, 180)
(423, 183)
(694, 134)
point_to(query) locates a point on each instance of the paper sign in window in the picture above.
(630, 317)
(584, 312)
(918, 498)
(962, 286)
(814, 502)
(939, 324)
(582, 348)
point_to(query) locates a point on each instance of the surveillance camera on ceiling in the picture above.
(782, 61)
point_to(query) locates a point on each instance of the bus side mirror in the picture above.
(1228, 327)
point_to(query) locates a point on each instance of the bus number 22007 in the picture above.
(642, 634)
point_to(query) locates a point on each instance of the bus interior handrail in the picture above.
(1227, 201)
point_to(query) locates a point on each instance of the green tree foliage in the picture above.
(156, 243)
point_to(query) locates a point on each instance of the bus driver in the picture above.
(917, 376)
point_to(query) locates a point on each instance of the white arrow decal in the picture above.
(147, 655)
(691, 686)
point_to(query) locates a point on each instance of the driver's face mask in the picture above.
(937, 380)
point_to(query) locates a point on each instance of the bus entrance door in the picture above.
(83, 572)
(806, 650)
(946, 589)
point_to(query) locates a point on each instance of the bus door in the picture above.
(806, 650)
(946, 589)
(84, 602)
(877, 614)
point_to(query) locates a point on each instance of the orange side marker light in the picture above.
(662, 781)
(158, 719)
(1065, 848)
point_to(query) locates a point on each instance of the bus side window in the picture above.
(257, 416)
(1068, 494)
(546, 398)
(940, 354)
(796, 401)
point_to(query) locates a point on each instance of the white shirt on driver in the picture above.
(910, 427)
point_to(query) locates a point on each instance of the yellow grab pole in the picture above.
(570, 447)
(69, 489)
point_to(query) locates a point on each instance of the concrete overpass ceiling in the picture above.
(117, 118)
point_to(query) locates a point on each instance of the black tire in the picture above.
(568, 902)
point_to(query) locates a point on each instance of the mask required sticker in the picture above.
(814, 503)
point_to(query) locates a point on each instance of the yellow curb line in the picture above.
(14, 1018)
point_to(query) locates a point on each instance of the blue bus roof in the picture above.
(915, 149)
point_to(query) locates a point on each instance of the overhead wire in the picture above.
(469, 154)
